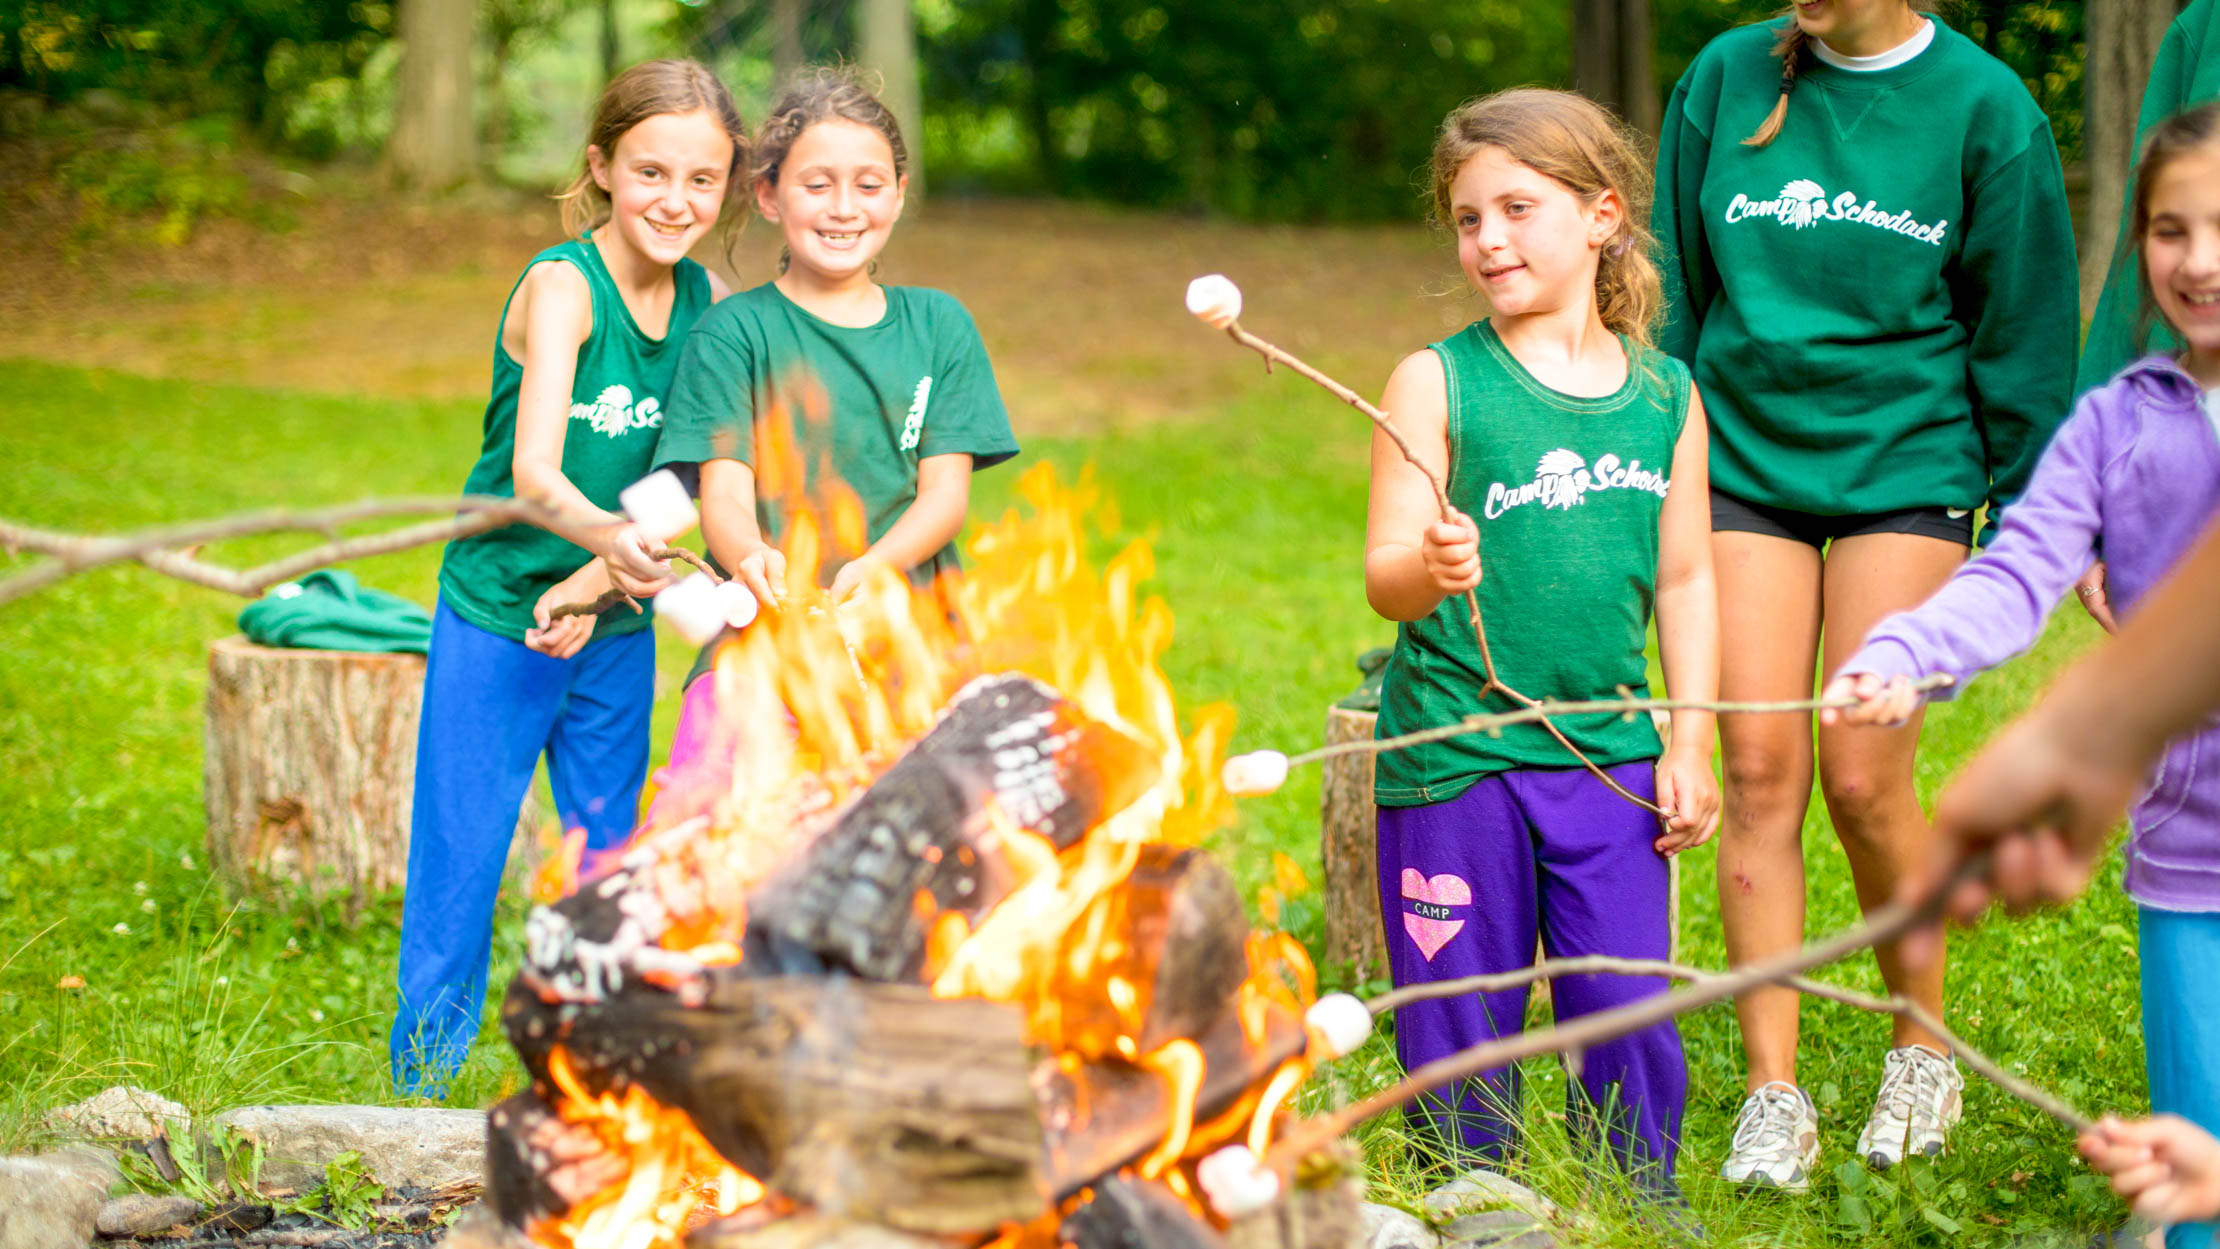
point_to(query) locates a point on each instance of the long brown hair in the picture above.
(2176, 137)
(1577, 142)
(1792, 47)
(651, 89)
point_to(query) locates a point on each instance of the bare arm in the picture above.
(1412, 558)
(554, 310)
(728, 525)
(930, 522)
(1688, 638)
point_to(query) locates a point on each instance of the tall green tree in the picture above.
(434, 140)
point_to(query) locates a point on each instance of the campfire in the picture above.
(923, 942)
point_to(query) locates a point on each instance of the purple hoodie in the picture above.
(2138, 464)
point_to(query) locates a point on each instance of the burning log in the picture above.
(864, 895)
(1178, 951)
(1127, 1213)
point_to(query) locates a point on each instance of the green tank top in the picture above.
(1567, 493)
(492, 579)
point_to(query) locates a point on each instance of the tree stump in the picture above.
(1348, 851)
(311, 760)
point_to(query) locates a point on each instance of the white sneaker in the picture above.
(1922, 1097)
(1776, 1140)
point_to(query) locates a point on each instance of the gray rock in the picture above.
(142, 1215)
(52, 1201)
(427, 1148)
(1386, 1227)
(1483, 1189)
(123, 1112)
(1495, 1229)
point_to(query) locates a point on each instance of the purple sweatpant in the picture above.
(1465, 885)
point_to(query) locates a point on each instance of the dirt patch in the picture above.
(1080, 305)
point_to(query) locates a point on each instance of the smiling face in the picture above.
(1523, 238)
(666, 183)
(1858, 27)
(2181, 254)
(837, 198)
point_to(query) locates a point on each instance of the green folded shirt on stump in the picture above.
(332, 611)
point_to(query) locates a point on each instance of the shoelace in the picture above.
(1909, 1078)
(1769, 1121)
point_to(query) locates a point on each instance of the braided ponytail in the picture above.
(1790, 47)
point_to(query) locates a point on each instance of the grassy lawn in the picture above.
(1255, 508)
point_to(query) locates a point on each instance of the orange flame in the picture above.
(818, 697)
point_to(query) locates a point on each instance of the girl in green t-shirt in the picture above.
(1576, 450)
(887, 388)
(1870, 269)
(581, 367)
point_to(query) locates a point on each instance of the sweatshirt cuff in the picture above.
(1888, 658)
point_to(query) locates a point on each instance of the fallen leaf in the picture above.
(70, 982)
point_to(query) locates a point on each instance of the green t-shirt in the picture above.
(2181, 77)
(1879, 307)
(872, 401)
(492, 579)
(1568, 493)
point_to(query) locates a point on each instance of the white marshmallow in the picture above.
(658, 504)
(1215, 299)
(739, 604)
(1258, 772)
(693, 607)
(1339, 1022)
(1237, 1182)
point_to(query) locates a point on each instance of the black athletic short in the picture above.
(1734, 515)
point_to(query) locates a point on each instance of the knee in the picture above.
(1862, 800)
(1763, 781)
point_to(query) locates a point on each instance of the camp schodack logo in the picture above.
(1803, 204)
(613, 412)
(1563, 480)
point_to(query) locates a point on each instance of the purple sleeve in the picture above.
(1993, 608)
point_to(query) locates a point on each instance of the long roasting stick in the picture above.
(1492, 682)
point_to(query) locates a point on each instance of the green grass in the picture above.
(1256, 514)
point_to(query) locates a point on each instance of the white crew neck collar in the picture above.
(1890, 59)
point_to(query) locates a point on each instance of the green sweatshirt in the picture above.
(1879, 307)
(2187, 72)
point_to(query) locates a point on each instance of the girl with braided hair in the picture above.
(1869, 268)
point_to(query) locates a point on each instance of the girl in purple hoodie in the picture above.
(2136, 467)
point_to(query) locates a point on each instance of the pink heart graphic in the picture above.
(1439, 893)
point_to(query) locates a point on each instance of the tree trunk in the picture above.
(786, 39)
(1348, 851)
(2123, 38)
(311, 759)
(612, 53)
(886, 41)
(433, 145)
(1611, 44)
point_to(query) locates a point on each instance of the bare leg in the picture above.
(1865, 774)
(1769, 616)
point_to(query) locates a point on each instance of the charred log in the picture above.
(538, 1166)
(1177, 944)
(865, 894)
(1129, 1213)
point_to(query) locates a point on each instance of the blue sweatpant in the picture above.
(1465, 887)
(491, 706)
(2180, 955)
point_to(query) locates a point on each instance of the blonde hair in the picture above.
(1579, 144)
(1791, 47)
(651, 89)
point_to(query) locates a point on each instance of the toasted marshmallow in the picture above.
(1258, 772)
(658, 504)
(1215, 299)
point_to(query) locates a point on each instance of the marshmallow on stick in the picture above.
(1258, 772)
(700, 608)
(1236, 1182)
(1215, 299)
(659, 505)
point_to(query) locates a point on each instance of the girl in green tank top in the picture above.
(582, 364)
(1573, 457)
